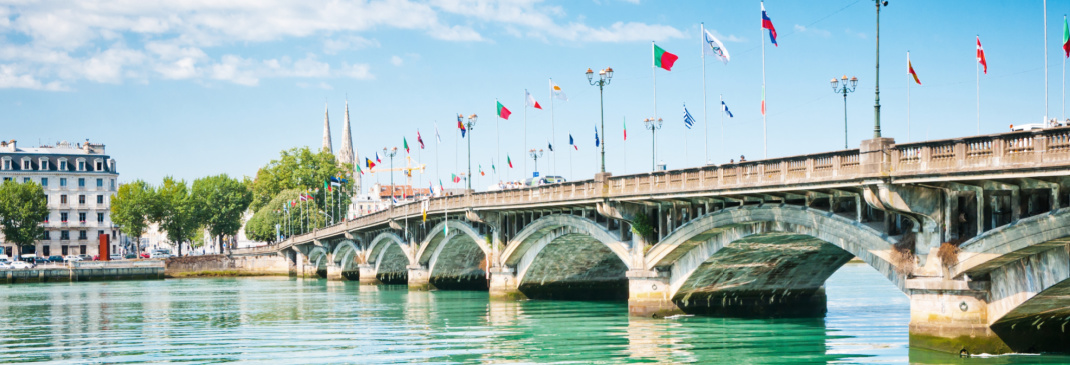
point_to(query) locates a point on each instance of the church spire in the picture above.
(326, 131)
(347, 154)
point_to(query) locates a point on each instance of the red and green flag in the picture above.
(509, 160)
(326, 185)
(625, 129)
(358, 168)
(662, 59)
(405, 143)
(1066, 37)
(481, 173)
(503, 112)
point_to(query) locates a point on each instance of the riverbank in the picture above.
(86, 271)
(225, 266)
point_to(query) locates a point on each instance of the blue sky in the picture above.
(190, 88)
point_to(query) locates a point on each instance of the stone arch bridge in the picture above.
(973, 230)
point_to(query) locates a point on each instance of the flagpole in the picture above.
(1063, 113)
(654, 71)
(978, 67)
(908, 96)
(685, 138)
(722, 126)
(553, 134)
(765, 109)
(456, 149)
(1045, 61)
(625, 145)
(705, 121)
(497, 138)
(525, 135)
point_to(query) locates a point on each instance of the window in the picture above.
(26, 164)
(81, 217)
(81, 249)
(46, 236)
(44, 164)
(46, 250)
(81, 165)
(99, 165)
(81, 199)
(63, 217)
(25, 180)
(63, 165)
(100, 199)
(44, 181)
(63, 182)
(82, 235)
(99, 233)
(63, 199)
(100, 183)
(46, 217)
(100, 219)
(64, 235)
(7, 179)
(7, 164)
(64, 249)
(113, 184)
(81, 182)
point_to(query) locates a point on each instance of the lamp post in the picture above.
(653, 125)
(535, 156)
(838, 87)
(391, 153)
(604, 76)
(877, 89)
(471, 127)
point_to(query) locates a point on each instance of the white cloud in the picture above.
(10, 78)
(396, 61)
(814, 31)
(345, 43)
(321, 85)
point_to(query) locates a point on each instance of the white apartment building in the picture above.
(79, 181)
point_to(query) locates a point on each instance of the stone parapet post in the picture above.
(952, 316)
(649, 295)
(419, 278)
(367, 275)
(875, 155)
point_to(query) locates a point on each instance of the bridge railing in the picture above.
(989, 152)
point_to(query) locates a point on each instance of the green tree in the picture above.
(261, 226)
(220, 203)
(301, 169)
(132, 208)
(23, 207)
(176, 211)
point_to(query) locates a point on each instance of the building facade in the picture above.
(79, 181)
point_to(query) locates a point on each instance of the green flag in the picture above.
(405, 143)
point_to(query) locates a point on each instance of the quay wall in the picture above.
(222, 265)
(91, 271)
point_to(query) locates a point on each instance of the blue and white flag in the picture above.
(688, 120)
(597, 141)
(725, 108)
(550, 146)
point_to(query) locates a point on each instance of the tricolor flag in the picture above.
(558, 93)
(370, 164)
(531, 100)
(431, 188)
(689, 121)
(663, 59)
(981, 55)
(768, 24)
(377, 158)
(503, 112)
(597, 142)
(327, 185)
(419, 139)
(460, 125)
(572, 142)
(725, 108)
(304, 197)
(910, 70)
(509, 160)
(625, 129)
(405, 143)
(714, 47)
(1066, 37)
(492, 167)
(357, 165)
(456, 179)
(481, 173)
(441, 189)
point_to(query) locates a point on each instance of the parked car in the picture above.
(144, 255)
(87, 258)
(4, 264)
(72, 258)
(130, 256)
(40, 260)
(160, 254)
(22, 265)
(55, 258)
(115, 257)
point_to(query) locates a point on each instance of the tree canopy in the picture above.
(221, 201)
(132, 207)
(261, 226)
(296, 168)
(23, 207)
(176, 211)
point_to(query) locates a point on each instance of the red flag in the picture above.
(981, 55)
(910, 69)
(419, 139)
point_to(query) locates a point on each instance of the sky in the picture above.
(198, 88)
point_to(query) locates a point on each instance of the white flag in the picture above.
(531, 100)
(438, 137)
(558, 93)
(714, 47)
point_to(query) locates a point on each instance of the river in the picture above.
(292, 321)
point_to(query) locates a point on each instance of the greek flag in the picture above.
(725, 107)
(689, 121)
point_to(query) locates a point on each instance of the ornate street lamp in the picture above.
(604, 76)
(838, 87)
(653, 125)
(877, 89)
(391, 153)
(535, 156)
(471, 125)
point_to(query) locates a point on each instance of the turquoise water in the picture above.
(295, 321)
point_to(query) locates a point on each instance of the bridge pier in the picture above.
(367, 275)
(650, 295)
(419, 278)
(504, 284)
(334, 272)
(952, 316)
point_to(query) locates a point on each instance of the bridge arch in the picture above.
(317, 257)
(567, 256)
(458, 260)
(390, 255)
(432, 244)
(347, 255)
(1012, 242)
(764, 253)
